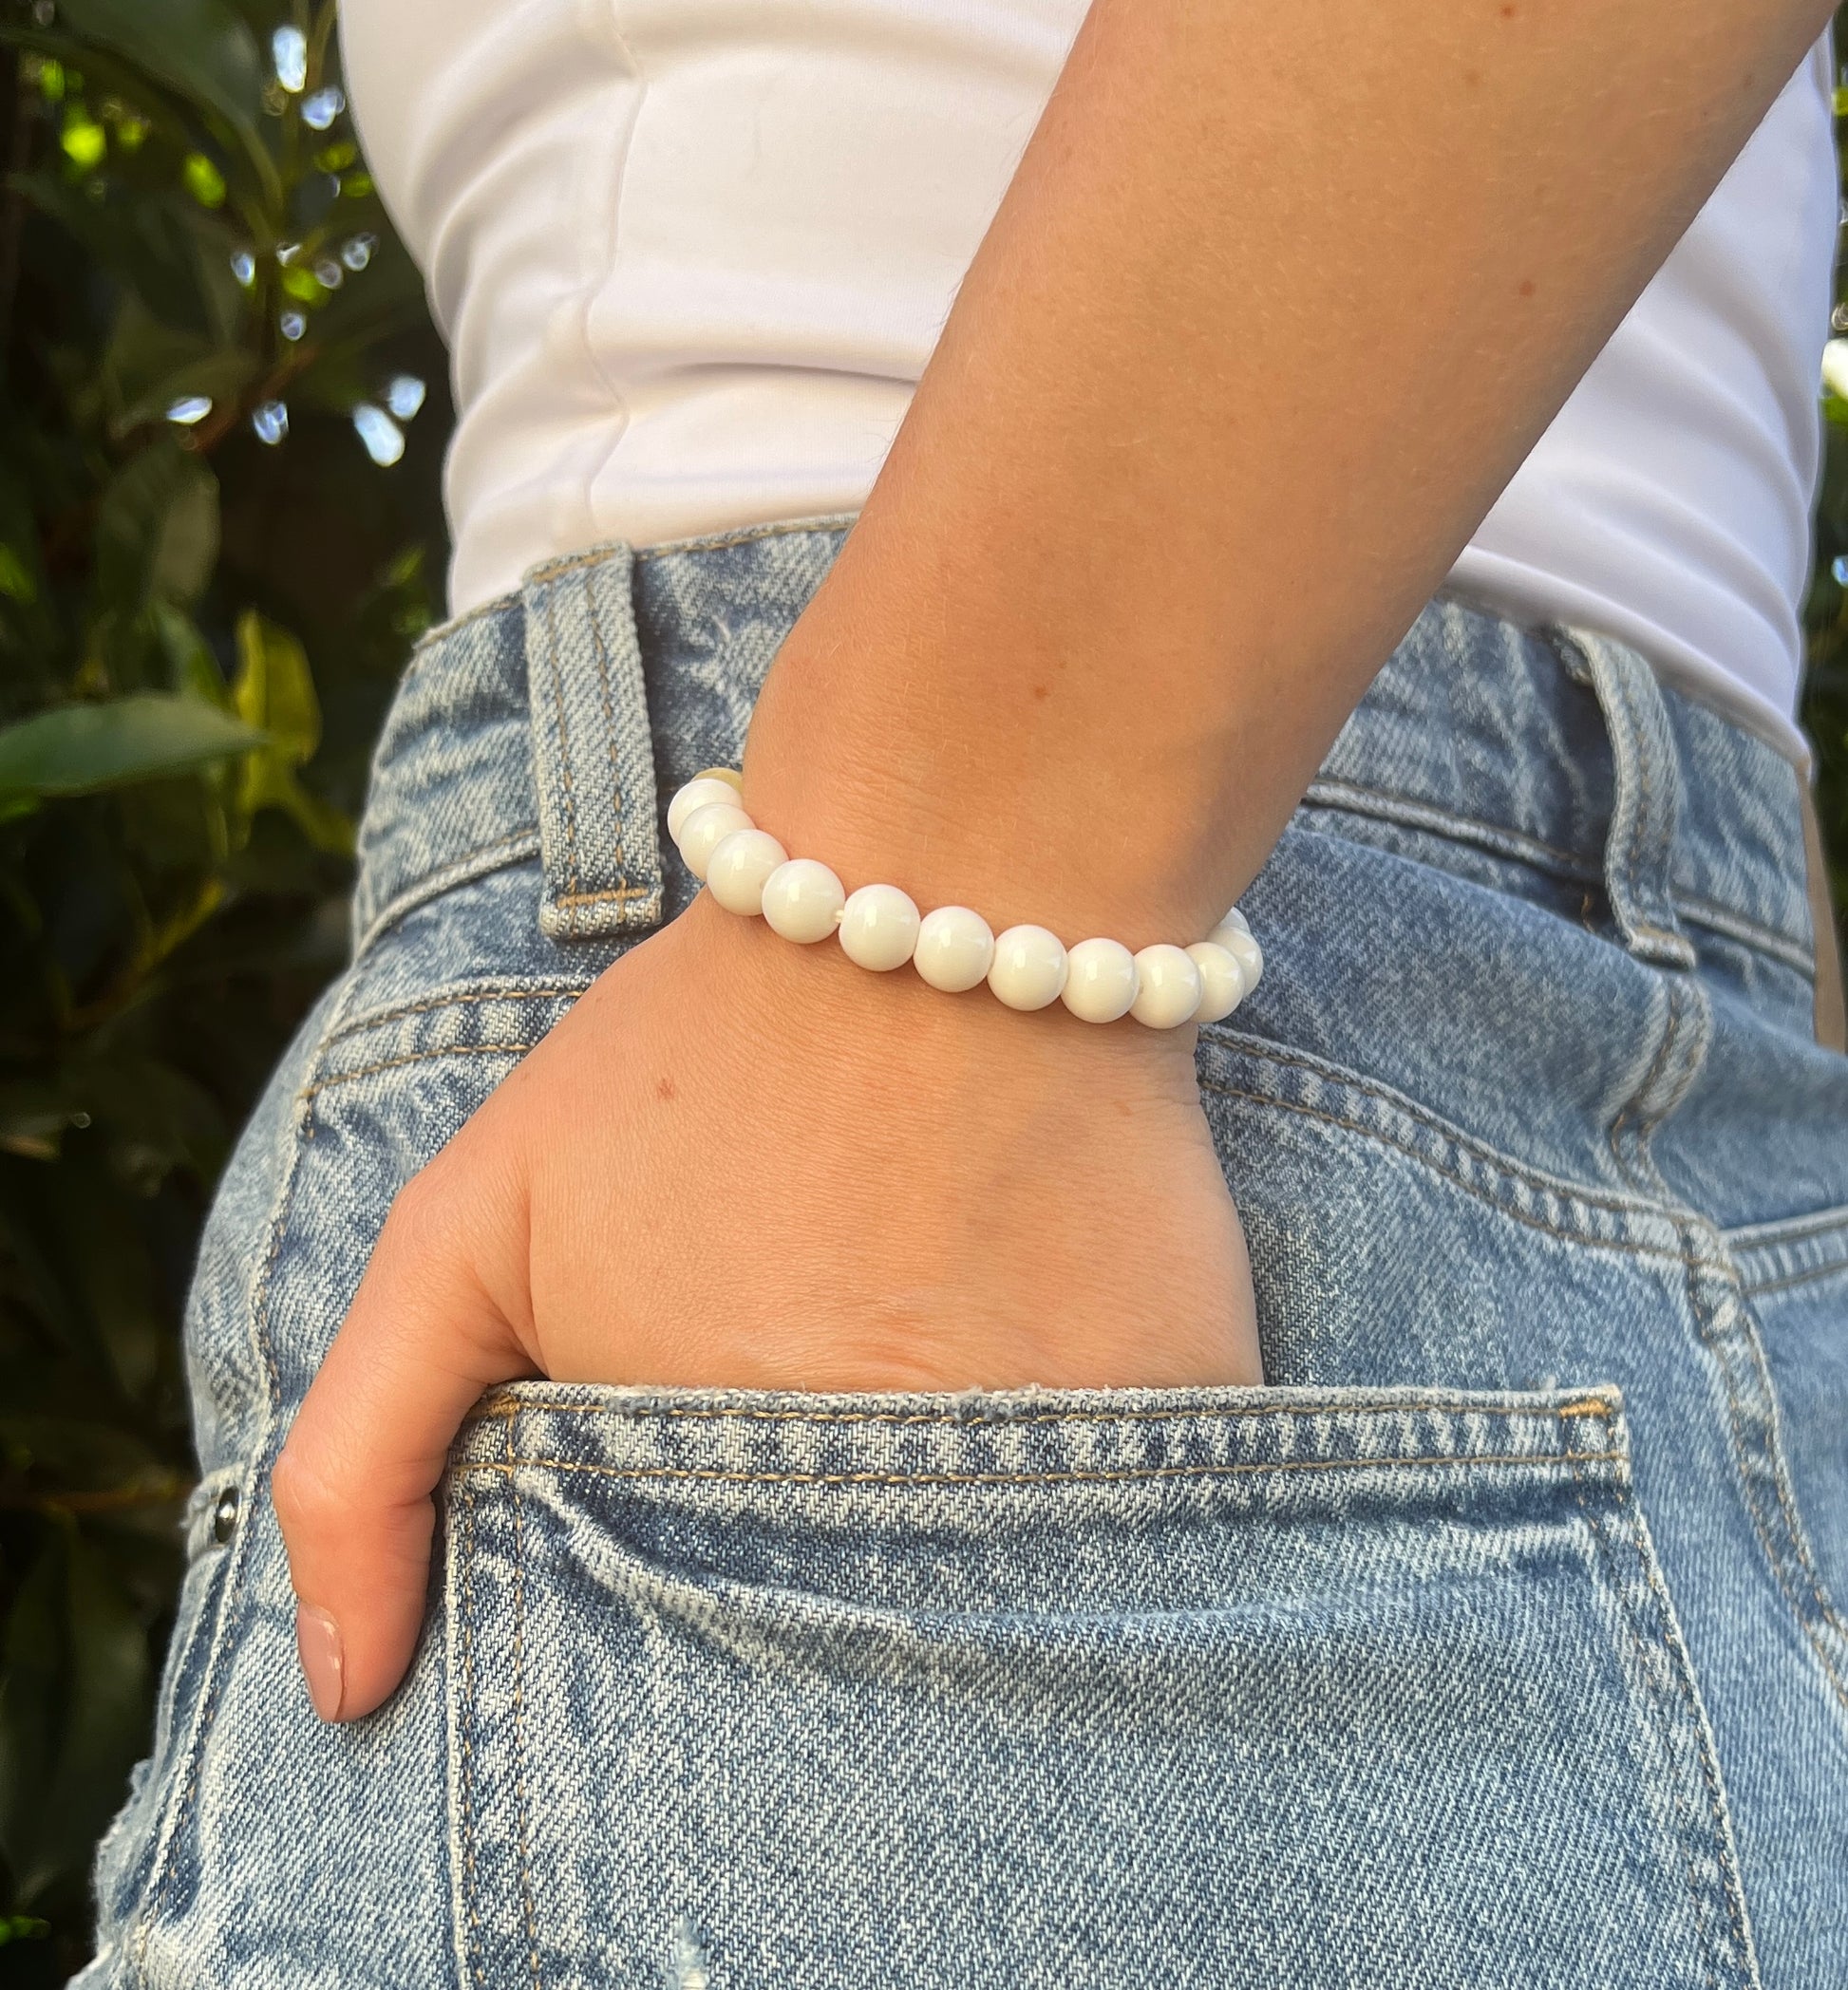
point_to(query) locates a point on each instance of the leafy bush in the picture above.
(207, 585)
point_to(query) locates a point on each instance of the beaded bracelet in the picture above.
(749, 872)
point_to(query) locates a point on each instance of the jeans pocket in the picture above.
(1312, 1687)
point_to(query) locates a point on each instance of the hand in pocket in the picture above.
(737, 1165)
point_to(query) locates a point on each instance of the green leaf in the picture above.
(149, 244)
(80, 750)
(157, 529)
(192, 669)
(201, 49)
(275, 690)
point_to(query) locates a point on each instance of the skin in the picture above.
(1280, 299)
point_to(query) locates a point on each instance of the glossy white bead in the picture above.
(738, 869)
(1244, 950)
(1222, 981)
(803, 900)
(955, 949)
(1167, 987)
(1028, 970)
(878, 927)
(1236, 920)
(1100, 980)
(703, 793)
(702, 832)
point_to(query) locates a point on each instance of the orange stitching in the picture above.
(598, 897)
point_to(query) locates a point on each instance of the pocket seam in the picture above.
(1664, 1707)
(415, 1057)
(456, 998)
(1486, 1157)
(510, 1468)
(465, 1791)
(521, 1773)
(498, 1408)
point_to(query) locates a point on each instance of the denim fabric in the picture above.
(1493, 1645)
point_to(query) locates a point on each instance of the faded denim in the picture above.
(1493, 1647)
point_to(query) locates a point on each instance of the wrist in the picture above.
(1097, 840)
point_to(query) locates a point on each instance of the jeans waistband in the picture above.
(550, 724)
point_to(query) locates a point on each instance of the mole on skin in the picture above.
(664, 1089)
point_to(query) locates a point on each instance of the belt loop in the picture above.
(593, 752)
(1645, 802)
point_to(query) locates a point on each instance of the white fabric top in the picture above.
(691, 257)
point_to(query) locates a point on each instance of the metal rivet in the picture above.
(224, 1516)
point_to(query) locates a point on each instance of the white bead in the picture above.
(803, 900)
(730, 776)
(702, 832)
(955, 949)
(736, 871)
(1222, 980)
(1030, 968)
(1236, 920)
(1167, 987)
(878, 929)
(699, 794)
(1100, 980)
(1244, 950)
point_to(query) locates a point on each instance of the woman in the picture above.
(935, 1495)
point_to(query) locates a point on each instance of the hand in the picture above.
(801, 1177)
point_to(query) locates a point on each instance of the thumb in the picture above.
(352, 1486)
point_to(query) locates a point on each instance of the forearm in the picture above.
(1279, 298)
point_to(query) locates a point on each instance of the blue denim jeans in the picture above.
(1492, 1646)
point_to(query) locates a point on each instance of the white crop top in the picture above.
(692, 255)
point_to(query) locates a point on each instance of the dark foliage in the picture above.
(200, 620)
(199, 628)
